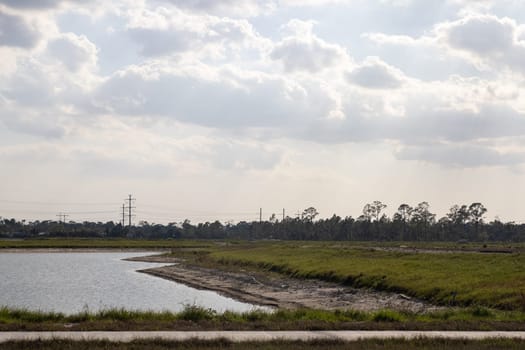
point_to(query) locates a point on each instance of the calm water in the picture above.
(71, 282)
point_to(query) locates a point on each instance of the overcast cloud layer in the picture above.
(205, 109)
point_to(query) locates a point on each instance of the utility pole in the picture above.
(123, 215)
(283, 214)
(130, 199)
(260, 215)
(62, 217)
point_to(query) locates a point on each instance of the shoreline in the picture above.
(82, 250)
(258, 288)
(281, 292)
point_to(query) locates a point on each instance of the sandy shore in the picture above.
(281, 292)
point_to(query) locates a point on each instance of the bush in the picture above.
(196, 313)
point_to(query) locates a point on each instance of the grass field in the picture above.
(450, 276)
(122, 243)
(197, 318)
(447, 278)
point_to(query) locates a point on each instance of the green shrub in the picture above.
(387, 316)
(196, 313)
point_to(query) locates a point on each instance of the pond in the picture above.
(73, 282)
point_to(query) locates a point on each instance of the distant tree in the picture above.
(476, 212)
(309, 214)
(458, 214)
(372, 211)
(404, 215)
(423, 218)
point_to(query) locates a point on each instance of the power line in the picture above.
(62, 217)
(190, 210)
(52, 212)
(58, 203)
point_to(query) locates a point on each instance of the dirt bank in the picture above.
(281, 292)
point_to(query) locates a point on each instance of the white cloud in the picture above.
(73, 51)
(376, 74)
(164, 31)
(187, 91)
(485, 39)
(302, 50)
(221, 98)
(229, 8)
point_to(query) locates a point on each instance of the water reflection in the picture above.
(72, 282)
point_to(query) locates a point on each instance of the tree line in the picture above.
(408, 223)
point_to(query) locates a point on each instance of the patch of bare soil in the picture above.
(283, 292)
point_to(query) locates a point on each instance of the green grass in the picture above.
(198, 318)
(370, 344)
(481, 281)
(466, 279)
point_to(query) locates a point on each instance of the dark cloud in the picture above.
(39, 4)
(31, 4)
(15, 32)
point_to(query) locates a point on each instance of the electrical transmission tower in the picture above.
(130, 207)
(62, 217)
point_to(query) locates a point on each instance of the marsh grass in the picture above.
(195, 317)
(449, 278)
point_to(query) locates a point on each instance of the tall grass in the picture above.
(465, 279)
(196, 313)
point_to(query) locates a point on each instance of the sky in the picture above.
(212, 109)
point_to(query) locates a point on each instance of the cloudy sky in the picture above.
(211, 109)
